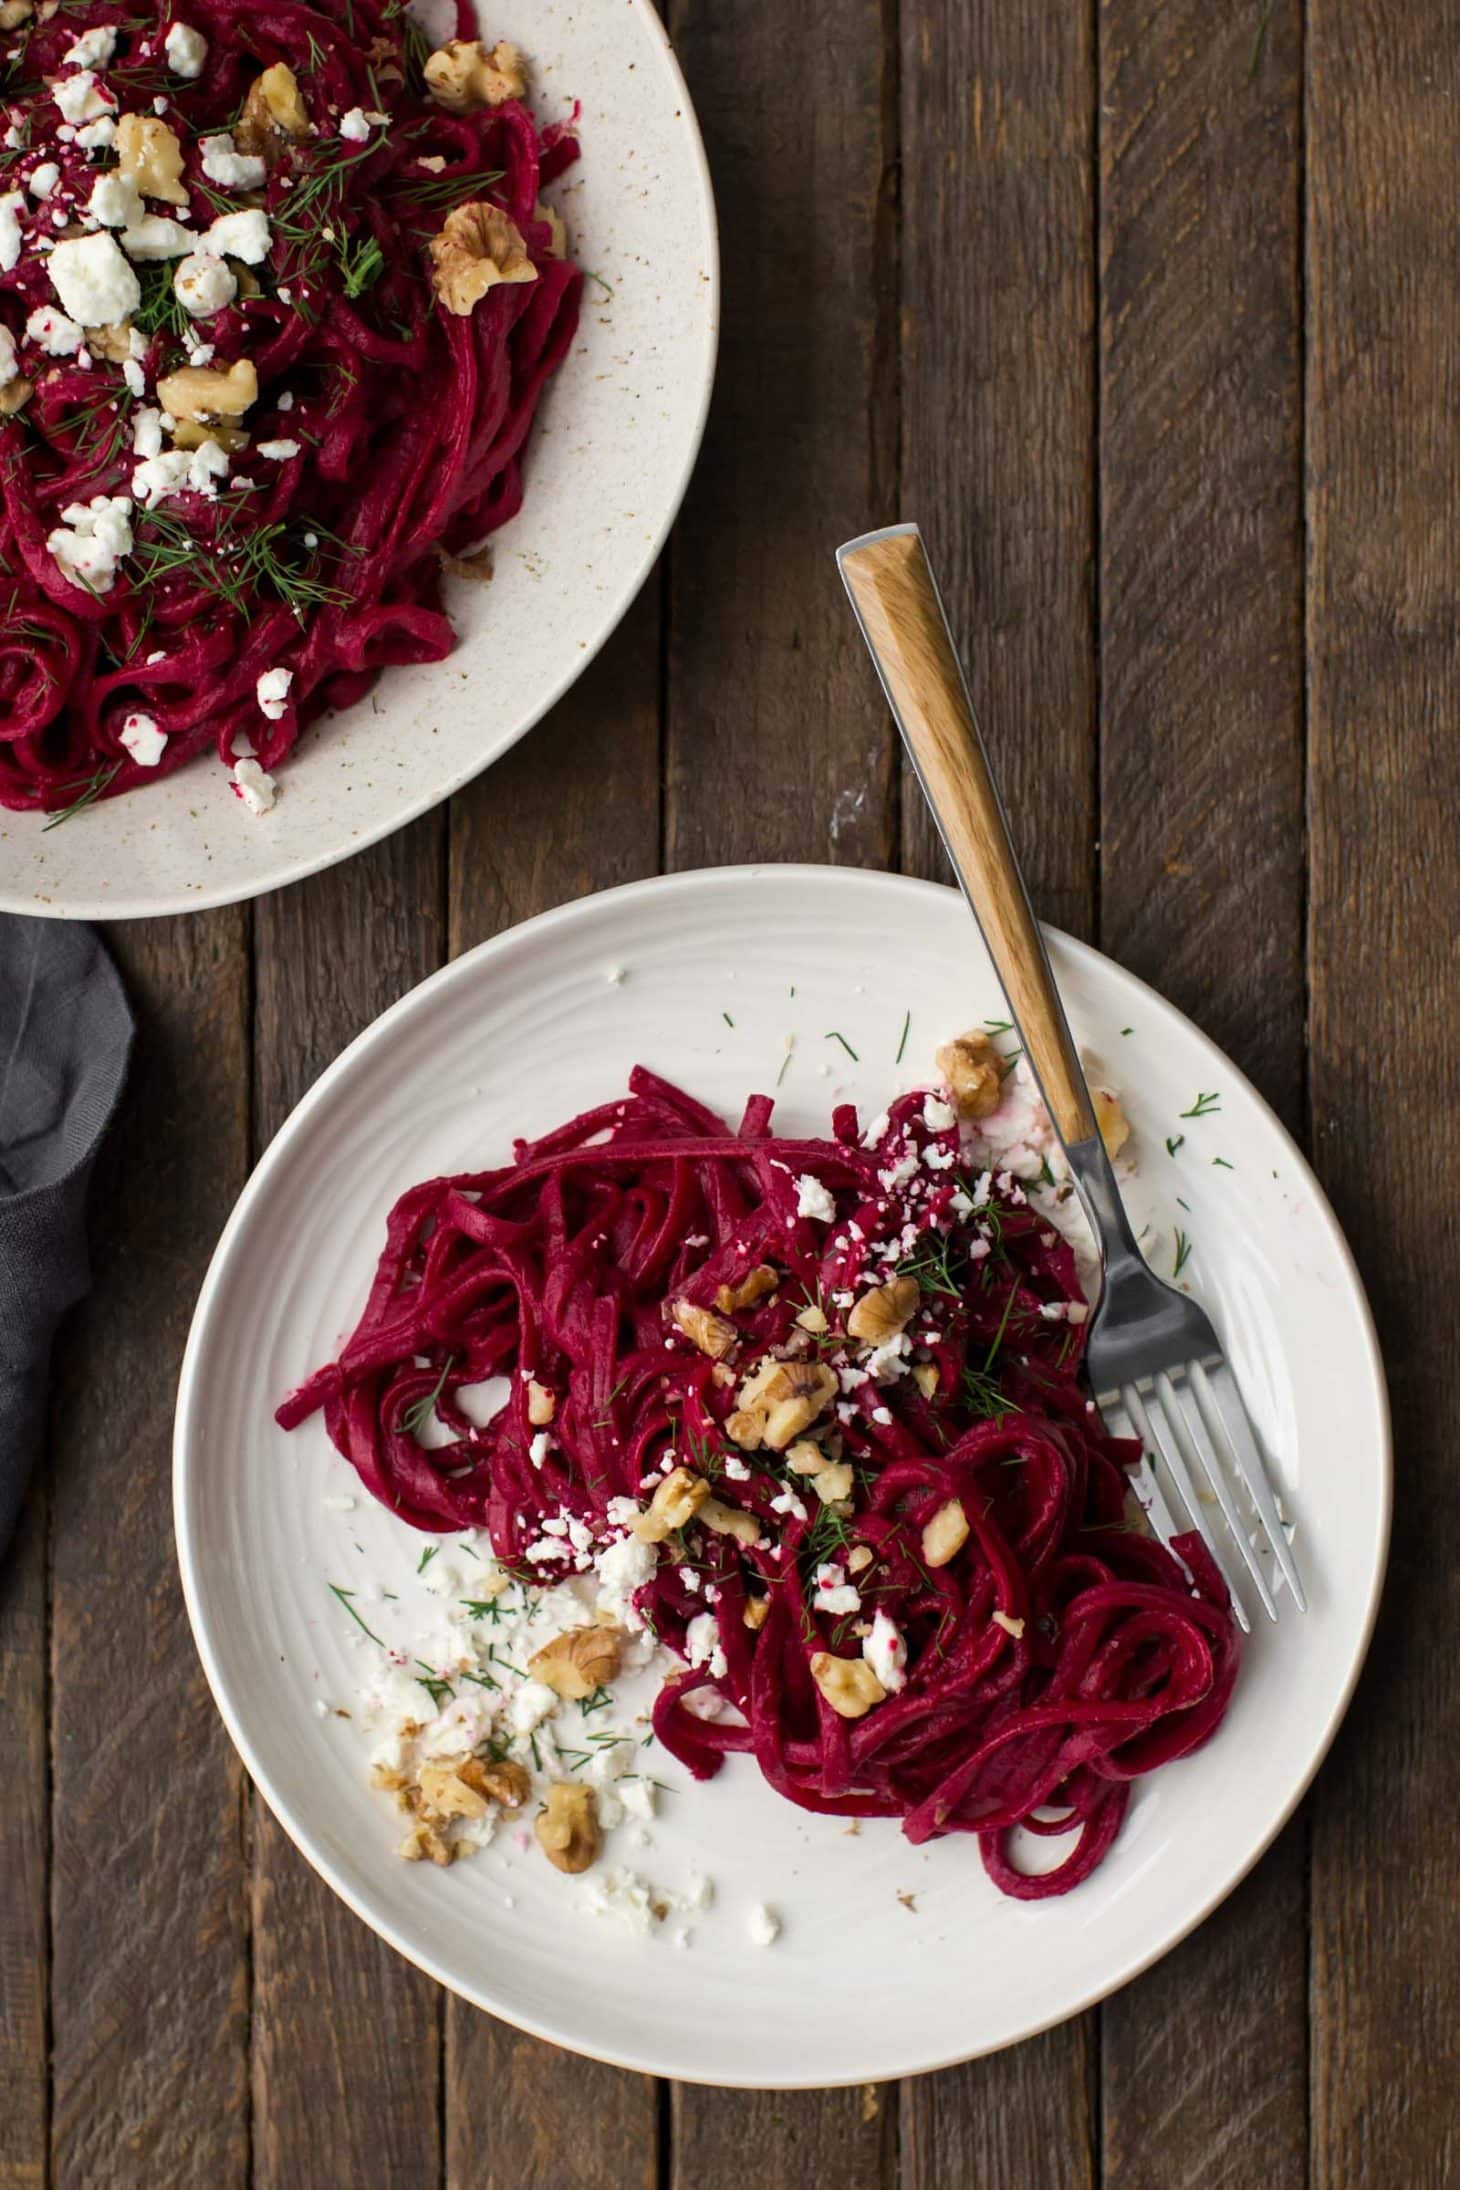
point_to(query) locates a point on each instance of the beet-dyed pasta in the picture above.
(831, 1390)
(279, 296)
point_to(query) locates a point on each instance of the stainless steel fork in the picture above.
(1156, 1365)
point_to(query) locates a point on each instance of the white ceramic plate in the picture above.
(515, 1037)
(611, 453)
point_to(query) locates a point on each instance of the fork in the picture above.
(1155, 1362)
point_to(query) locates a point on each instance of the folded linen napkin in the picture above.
(65, 1034)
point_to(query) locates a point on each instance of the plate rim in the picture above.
(189, 1400)
(78, 906)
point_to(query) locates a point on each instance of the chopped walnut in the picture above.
(447, 1791)
(574, 1665)
(558, 234)
(813, 1319)
(273, 113)
(805, 1457)
(114, 343)
(833, 1483)
(191, 433)
(14, 396)
(676, 1502)
(541, 1404)
(860, 1559)
(1110, 1117)
(423, 1842)
(882, 1313)
(1008, 1623)
(849, 1684)
(209, 391)
(729, 1521)
(752, 1287)
(148, 154)
(476, 568)
(711, 1333)
(925, 1376)
(15, 12)
(506, 1782)
(973, 1073)
(798, 1394)
(463, 77)
(754, 1614)
(946, 1534)
(567, 1828)
(477, 247)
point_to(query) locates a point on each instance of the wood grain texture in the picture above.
(24, 1854)
(148, 1882)
(575, 808)
(722, 2140)
(1384, 650)
(998, 420)
(778, 745)
(1202, 885)
(346, 2035)
(998, 467)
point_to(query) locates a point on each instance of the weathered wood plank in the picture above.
(998, 439)
(1384, 652)
(573, 809)
(346, 2035)
(24, 1853)
(814, 2140)
(1201, 646)
(148, 1883)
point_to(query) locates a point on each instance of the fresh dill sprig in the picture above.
(935, 1265)
(1203, 1106)
(361, 265)
(982, 1396)
(161, 310)
(1183, 1254)
(345, 1596)
(902, 1044)
(90, 791)
(426, 1557)
(419, 1413)
(1175, 1142)
(236, 565)
(436, 1685)
(834, 1036)
(438, 193)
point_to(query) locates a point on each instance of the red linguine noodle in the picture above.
(406, 422)
(1057, 1656)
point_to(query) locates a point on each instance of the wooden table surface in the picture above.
(1147, 310)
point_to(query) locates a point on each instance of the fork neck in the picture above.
(1095, 1180)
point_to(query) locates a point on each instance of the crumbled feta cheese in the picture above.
(157, 236)
(143, 740)
(44, 179)
(9, 369)
(56, 334)
(178, 471)
(286, 401)
(885, 1650)
(240, 236)
(93, 49)
(273, 697)
(80, 98)
(533, 1702)
(353, 126)
(764, 1926)
(92, 540)
(98, 136)
(134, 376)
(278, 452)
(95, 284)
(10, 208)
(623, 1567)
(256, 789)
(813, 1200)
(115, 200)
(938, 1116)
(786, 1501)
(702, 1642)
(832, 1592)
(230, 168)
(186, 50)
(147, 431)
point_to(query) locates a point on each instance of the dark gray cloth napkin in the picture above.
(65, 1034)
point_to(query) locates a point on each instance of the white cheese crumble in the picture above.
(832, 1592)
(147, 431)
(255, 787)
(9, 370)
(354, 128)
(99, 135)
(764, 1926)
(143, 740)
(95, 284)
(702, 1641)
(91, 541)
(186, 50)
(44, 179)
(157, 236)
(813, 1200)
(273, 692)
(278, 452)
(885, 1650)
(231, 169)
(115, 200)
(240, 236)
(93, 49)
(57, 335)
(622, 1568)
(80, 98)
(10, 208)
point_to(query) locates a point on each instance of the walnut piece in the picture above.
(424, 1842)
(676, 1502)
(1008, 1623)
(754, 1614)
(945, 1535)
(813, 1319)
(711, 1333)
(114, 343)
(273, 113)
(447, 1791)
(148, 154)
(567, 1827)
(476, 568)
(1111, 1118)
(15, 12)
(209, 391)
(860, 1559)
(463, 77)
(541, 1404)
(882, 1313)
(14, 396)
(507, 1783)
(191, 433)
(574, 1665)
(797, 1394)
(973, 1073)
(557, 232)
(752, 1287)
(729, 1521)
(849, 1684)
(925, 1376)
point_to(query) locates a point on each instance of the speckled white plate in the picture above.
(611, 453)
(719, 968)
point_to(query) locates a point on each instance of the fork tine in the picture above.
(1225, 1416)
(1191, 1433)
(1149, 1495)
(1176, 1468)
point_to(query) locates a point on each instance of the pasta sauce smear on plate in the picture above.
(279, 296)
(819, 1406)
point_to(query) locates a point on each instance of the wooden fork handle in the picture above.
(896, 598)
